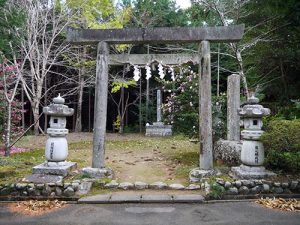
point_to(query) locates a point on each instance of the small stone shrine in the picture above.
(56, 150)
(252, 154)
(158, 129)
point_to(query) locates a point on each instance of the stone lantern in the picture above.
(56, 145)
(252, 154)
(56, 150)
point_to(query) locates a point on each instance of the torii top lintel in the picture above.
(157, 35)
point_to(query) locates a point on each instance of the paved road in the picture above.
(158, 214)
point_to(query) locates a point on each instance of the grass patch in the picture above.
(25, 141)
(172, 158)
(80, 152)
(97, 191)
(80, 145)
(7, 171)
(16, 166)
(185, 158)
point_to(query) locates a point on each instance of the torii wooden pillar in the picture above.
(203, 35)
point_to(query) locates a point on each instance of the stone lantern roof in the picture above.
(57, 108)
(253, 110)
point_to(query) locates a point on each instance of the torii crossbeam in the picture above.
(104, 37)
(157, 35)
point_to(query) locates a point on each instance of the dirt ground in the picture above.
(133, 157)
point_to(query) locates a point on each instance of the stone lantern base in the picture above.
(251, 172)
(158, 129)
(55, 168)
(50, 172)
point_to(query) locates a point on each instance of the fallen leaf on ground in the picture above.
(35, 207)
(280, 203)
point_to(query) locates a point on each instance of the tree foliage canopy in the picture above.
(11, 19)
(268, 55)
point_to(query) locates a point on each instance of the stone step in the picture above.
(142, 198)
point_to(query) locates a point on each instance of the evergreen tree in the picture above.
(162, 13)
(11, 19)
(275, 62)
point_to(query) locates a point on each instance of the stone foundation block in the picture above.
(54, 168)
(158, 130)
(251, 172)
(98, 172)
(42, 179)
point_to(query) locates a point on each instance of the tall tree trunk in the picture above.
(147, 93)
(218, 73)
(36, 100)
(283, 78)
(140, 107)
(121, 131)
(241, 66)
(8, 130)
(23, 111)
(89, 109)
(78, 125)
(35, 111)
(147, 101)
(126, 120)
(75, 113)
(45, 103)
(30, 115)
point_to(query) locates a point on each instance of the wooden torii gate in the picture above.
(202, 35)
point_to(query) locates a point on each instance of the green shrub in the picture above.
(282, 144)
(282, 135)
(187, 123)
(216, 192)
(284, 161)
